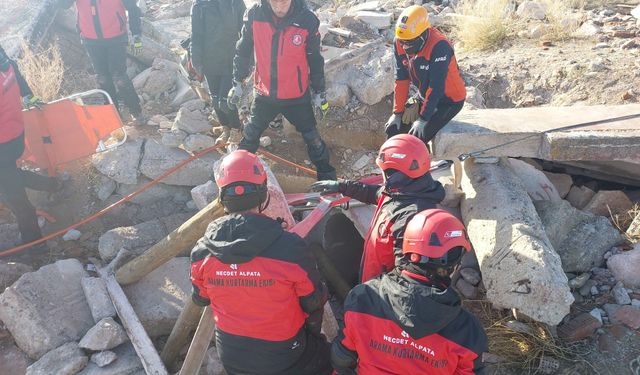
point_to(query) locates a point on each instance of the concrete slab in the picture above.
(483, 128)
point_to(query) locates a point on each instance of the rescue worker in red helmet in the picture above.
(424, 58)
(410, 321)
(407, 190)
(103, 30)
(14, 94)
(262, 282)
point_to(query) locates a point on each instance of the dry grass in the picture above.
(623, 222)
(483, 24)
(43, 70)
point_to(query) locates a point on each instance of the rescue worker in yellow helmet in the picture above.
(424, 58)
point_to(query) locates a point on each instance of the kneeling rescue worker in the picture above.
(424, 58)
(410, 321)
(407, 190)
(262, 282)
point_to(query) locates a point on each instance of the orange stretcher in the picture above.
(68, 129)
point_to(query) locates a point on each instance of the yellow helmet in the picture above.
(412, 22)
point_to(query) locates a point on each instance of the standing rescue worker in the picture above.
(262, 282)
(283, 37)
(410, 321)
(407, 190)
(103, 29)
(13, 180)
(215, 30)
(424, 58)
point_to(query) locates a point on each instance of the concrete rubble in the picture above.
(104, 358)
(158, 159)
(624, 267)
(10, 272)
(95, 291)
(127, 362)
(67, 359)
(204, 194)
(105, 335)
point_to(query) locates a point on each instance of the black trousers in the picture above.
(302, 117)
(444, 113)
(12, 188)
(219, 86)
(109, 60)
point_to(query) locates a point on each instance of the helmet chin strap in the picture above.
(264, 206)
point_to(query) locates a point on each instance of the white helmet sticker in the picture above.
(453, 234)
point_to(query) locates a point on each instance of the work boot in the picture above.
(224, 137)
(140, 119)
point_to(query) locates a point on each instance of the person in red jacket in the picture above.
(407, 190)
(282, 37)
(262, 282)
(424, 58)
(13, 180)
(103, 30)
(410, 321)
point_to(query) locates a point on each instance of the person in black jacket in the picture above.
(215, 30)
(410, 321)
(408, 189)
(262, 282)
(282, 37)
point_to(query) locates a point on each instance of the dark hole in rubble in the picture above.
(343, 245)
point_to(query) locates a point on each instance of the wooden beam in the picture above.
(187, 322)
(199, 344)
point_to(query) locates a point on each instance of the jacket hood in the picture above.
(419, 309)
(399, 186)
(240, 237)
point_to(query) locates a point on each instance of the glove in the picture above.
(411, 111)
(320, 102)
(32, 101)
(326, 187)
(136, 46)
(313, 323)
(233, 98)
(418, 128)
(392, 127)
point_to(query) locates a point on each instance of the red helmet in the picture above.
(240, 166)
(405, 153)
(435, 237)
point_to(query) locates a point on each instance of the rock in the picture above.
(585, 290)
(596, 313)
(104, 358)
(474, 97)
(195, 143)
(635, 303)
(105, 335)
(627, 315)
(10, 272)
(127, 363)
(580, 196)
(579, 281)
(561, 181)
(67, 359)
(158, 79)
(159, 158)
(610, 310)
(9, 236)
(519, 267)
(579, 328)
(466, 289)
(377, 20)
(453, 195)
(152, 194)
(581, 239)
(539, 31)
(636, 12)
(152, 50)
(212, 364)
(156, 120)
(120, 164)
(98, 298)
(471, 276)
(532, 10)
(620, 294)
(362, 162)
(338, 95)
(624, 267)
(192, 121)
(72, 235)
(12, 359)
(204, 194)
(535, 182)
(368, 5)
(183, 93)
(139, 237)
(41, 317)
(105, 187)
(173, 138)
(265, 141)
(605, 203)
(160, 296)
(602, 45)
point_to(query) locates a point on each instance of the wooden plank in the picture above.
(187, 322)
(141, 342)
(199, 344)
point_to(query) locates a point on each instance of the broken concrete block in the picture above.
(377, 20)
(452, 195)
(120, 164)
(184, 92)
(466, 289)
(42, 317)
(192, 122)
(9, 236)
(580, 196)
(532, 10)
(471, 276)
(198, 142)
(519, 267)
(98, 298)
(105, 335)
(104, 358)
(159, 297)
(580, 238)
(72, 235)
(338, 95)
(362, 162)
(127, 363)
(173, 137)
(608, 202)
(153, 194)
(535, 182)
(625, 266)
(105, 187)
(159, 158)
(10, 272)
(620, 294)
(67, 359)
(204, 194)
(561, 181)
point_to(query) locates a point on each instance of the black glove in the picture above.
(418, 128)
(326, 187)
(313, 323)
(392, 127)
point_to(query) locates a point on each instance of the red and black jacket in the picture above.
(106, 19)
(12, 88)
(397, 202)
(434, 71)
(398, 324)
(262, 284)
(286, 52)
